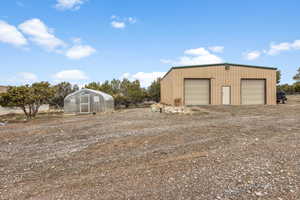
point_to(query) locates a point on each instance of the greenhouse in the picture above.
(88, 101)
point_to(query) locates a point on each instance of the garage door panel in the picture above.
(197, 91)
(253, 92)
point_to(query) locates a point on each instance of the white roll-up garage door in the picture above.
(197, 91)
(253, 92)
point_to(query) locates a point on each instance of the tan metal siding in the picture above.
(219, 77)
(166, 89)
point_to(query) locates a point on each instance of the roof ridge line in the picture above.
(217, 64)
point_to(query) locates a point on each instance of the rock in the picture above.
(259, 194)
(174, 109)
(156, 107)
(270, 173)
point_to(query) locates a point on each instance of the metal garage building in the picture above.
(219, 84)
(88, 101)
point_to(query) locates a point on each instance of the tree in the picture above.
(17, 97)
(154, 91)
(28, 98)
(75, 87)
(115, 86)
(278, 76)
(289, 89)
(132, 92)
(124, 87)
(62, 90)
(103, 87)
(93, 86)
(106, 87)
(297, 87)
(124, 92)
(136, 94)
(297, 76)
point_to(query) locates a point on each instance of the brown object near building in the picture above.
(219, 84)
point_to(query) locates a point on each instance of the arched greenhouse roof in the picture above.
(106, 97)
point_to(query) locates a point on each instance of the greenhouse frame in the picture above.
(87, 101)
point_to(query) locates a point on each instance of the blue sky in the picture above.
(94, 40)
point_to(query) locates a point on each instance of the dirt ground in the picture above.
(231, 152)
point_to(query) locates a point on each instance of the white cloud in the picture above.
(216, 49)
(126, 75)
(40, 34)
(195, 57)
(274, 49)
(76, 40)
(80, 51)
(10, 34)
(252, 55)
(166, 61)
(118, 25)
(296, 45)
(284, 46)
(145, 78)
(69, 4)
(70, 75)
(131, 20)
(277, 48)
(121, 23)
(199, 51)
(27, 77)
(199, 60)
(21, 78)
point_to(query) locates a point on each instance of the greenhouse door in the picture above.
(85, 103)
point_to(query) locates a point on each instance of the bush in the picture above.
(61, 90)
(28, 97)
(125, 92)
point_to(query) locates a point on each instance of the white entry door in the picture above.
(226, 95)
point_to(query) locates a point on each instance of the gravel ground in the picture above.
(231, 152)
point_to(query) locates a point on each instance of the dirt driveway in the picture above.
(229, 152)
